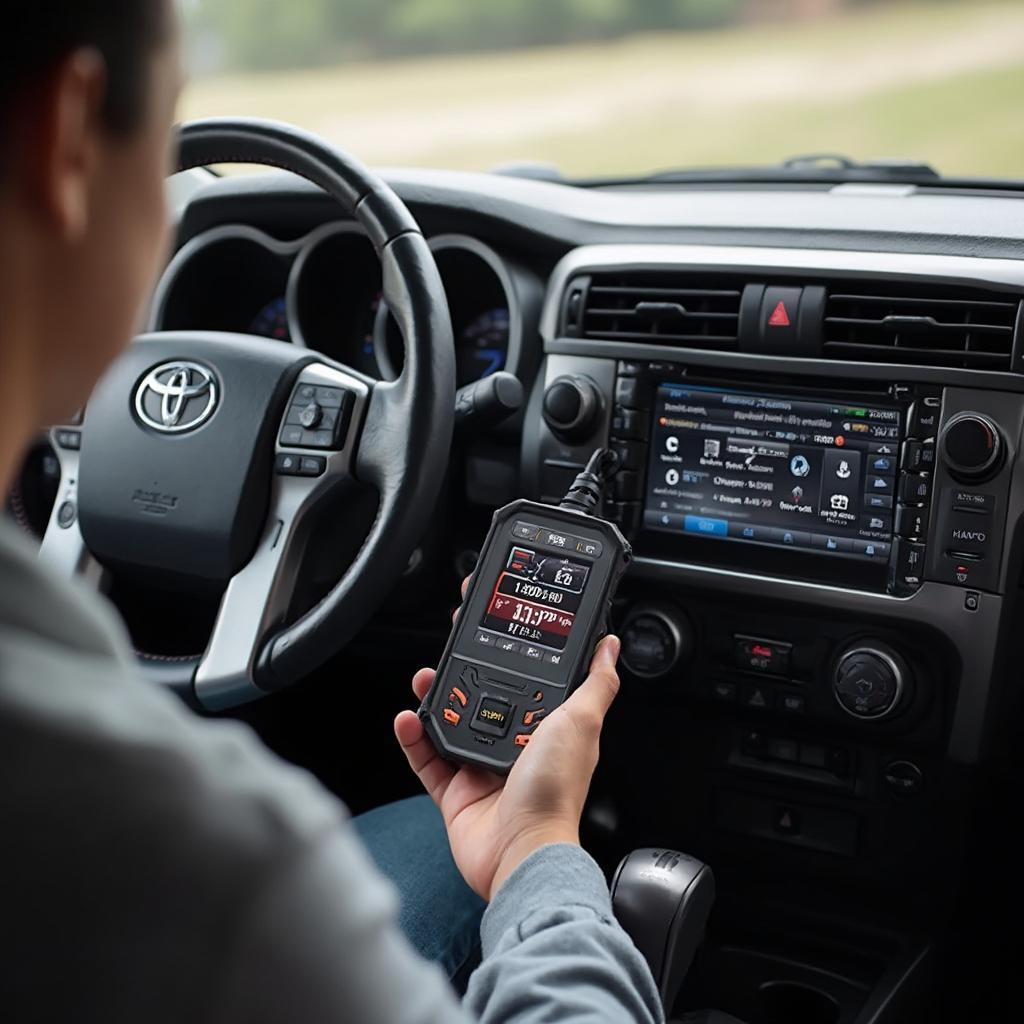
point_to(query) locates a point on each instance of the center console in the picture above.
(817, 620)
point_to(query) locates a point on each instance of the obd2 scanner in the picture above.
(537, 605)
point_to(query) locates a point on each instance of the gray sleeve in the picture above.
(321, 944)
(553, 951)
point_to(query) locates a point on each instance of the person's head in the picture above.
(87, 96)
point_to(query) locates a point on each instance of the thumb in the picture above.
(594, 696)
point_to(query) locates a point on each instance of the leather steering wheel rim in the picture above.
(409, 422)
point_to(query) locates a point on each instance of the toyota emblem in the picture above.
(175, 397)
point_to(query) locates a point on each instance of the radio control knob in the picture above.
(571, 406)
(972, 447)
(655, 640)
(871, 681)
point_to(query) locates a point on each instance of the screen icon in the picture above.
(798, 494)
(672, 444)
(843, 470)
(832, 544)
(748, 532)
(870, 551)
(672, 477)
(799, 466)
(788, 538)
(839, 502)
(879, 483)
(712, 448)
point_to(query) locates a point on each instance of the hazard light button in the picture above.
(780, 314)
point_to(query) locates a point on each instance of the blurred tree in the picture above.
(258, 34)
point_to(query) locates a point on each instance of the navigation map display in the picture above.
(770, 469)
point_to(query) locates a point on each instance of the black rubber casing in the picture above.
(470, 673)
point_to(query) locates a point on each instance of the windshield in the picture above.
(623, 88)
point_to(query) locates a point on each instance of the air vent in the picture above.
(660, 308)
(923, 325)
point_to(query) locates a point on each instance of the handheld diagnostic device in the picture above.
(537, 605)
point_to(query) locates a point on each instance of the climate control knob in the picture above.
(571, 406)
(655, 640)
(972, 447)
(871, 681)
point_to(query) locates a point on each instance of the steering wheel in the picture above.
(205, 454)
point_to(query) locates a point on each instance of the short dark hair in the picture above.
(125, 32)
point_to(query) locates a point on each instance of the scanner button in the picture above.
(535, 717)
(452, 717)
(522, 739)
(458, 695)
(493, 715)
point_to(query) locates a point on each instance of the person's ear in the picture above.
(65, 137)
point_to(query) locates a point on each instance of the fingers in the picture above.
(421, 682)
(464, 588)
(593, 698)
(434, 773)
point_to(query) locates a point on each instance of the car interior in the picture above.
(812, 378)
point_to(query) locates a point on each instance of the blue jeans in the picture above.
(440, 914)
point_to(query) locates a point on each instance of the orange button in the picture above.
(532, 717)
(452, 717)
(458, 695)
(522, 739)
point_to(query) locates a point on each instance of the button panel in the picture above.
(317, 417)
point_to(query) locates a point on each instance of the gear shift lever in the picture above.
(662, 899)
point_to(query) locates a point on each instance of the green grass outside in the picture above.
(968, 120)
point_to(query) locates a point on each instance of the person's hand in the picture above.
(493, 823)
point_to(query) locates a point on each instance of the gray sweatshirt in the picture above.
(156, 866)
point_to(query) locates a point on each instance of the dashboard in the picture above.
(322, 290)
(817, 400)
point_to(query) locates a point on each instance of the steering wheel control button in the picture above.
(70, 439)
(287, 464)
(869, 682)
(310, 416)
(493, 715)
(971, 447)
(318, 417)
(66, 515)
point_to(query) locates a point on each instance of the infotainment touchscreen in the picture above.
(770, 469)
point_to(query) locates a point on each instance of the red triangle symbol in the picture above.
(780, 318)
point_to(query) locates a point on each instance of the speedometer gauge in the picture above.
(272, 321)
(482, 347)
